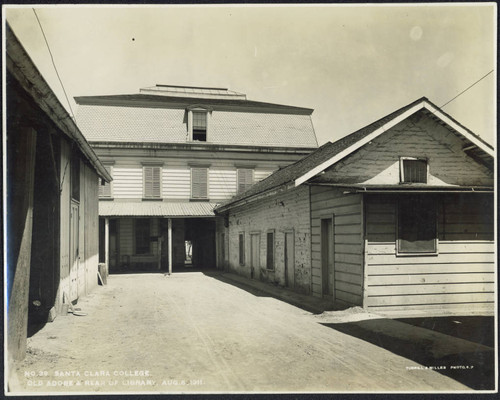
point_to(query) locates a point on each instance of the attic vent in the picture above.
(413, 170)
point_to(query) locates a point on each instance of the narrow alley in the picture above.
(192, 332)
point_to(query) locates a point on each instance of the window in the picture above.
(417, 224)
(241, 248)
(199, 183)
(105, 187)
(270, 250)
(200, 126)
(142, 233)
(413, 170)
(75, 176)
(245, 179)
(152, 182)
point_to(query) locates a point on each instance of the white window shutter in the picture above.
(156, 187)
(245, 179)
(199, 183)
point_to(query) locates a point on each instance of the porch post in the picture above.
(170, 245)
(106, 243)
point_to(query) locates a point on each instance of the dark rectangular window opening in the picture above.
(142, 236)
(270, 251)
(241, 248)
(200, 126)
(417, 225)
(414, 171)
(75, 176)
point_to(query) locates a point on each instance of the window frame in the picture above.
(400, 251)
(273, 250)
(109, 167)
(241, 248)
(246, 185)
(401, 169)
(149, 252)
(191, 110)
(160, 177)
(200, 167)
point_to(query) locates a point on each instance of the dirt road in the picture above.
(190, 332)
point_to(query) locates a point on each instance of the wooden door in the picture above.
(327, 256)
(255, 255)
(74, 251)
(289, 260)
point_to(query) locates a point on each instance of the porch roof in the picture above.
(156, 209)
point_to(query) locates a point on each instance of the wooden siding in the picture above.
(65, 183)
(462, 273)
(91, 223)
(176, 179)
(348, 245)
(378, 161)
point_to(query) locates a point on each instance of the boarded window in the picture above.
(105, 187)
(152, 182)
(245, 179)
(270, 251)
(417, 224)
(200, 126)
(142, 233)
(199, 183)
(241, 248)
(414, 171)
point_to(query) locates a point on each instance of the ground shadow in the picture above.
(475, 369)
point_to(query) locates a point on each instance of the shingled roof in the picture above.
(299, 169)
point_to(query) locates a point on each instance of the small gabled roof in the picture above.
(330, 153)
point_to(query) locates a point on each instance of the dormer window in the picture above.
(198, 123)
(200, 126)
(413, 170)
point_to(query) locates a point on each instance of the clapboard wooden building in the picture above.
(174, 153)
(397, 217)
(52, 201)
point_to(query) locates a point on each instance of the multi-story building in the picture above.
(174, 153)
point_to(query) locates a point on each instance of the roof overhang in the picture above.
(357, 188)
(424, 104)
(22, 68)
(221, 209)
(156, 209)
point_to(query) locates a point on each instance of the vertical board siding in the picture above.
(348, 277)
(462, 273)
(91, 234)
(64, 221)
(126, 236)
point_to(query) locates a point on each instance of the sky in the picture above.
(352, 64)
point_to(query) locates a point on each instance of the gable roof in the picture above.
(330, 153)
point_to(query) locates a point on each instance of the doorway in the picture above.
(254, 255)
(289, 260)
(74, 251)
(327, 256)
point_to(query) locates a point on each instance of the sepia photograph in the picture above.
(249, 199)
